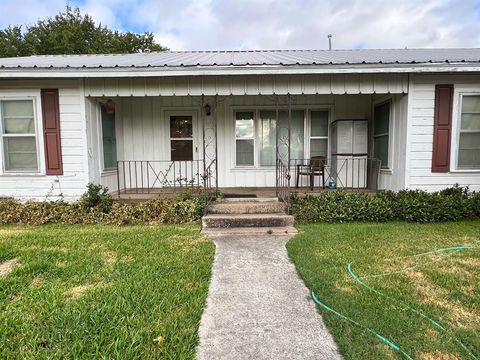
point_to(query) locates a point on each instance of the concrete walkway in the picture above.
(257, 306)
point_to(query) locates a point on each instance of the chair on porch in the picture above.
(315, 167)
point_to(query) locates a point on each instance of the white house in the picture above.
(379, 119)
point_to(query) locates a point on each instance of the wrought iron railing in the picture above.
(145, 177)
(282, 186)
(210, 185)
(350, 172)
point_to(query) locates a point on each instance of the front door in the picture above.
(182, 144)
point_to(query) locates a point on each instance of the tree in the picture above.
(70, 32)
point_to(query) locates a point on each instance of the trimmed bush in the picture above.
(97, 207)
(455, 203)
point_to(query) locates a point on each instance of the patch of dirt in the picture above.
(470, 261)
(110, 258)
(10, 232)
(437, 296)
(438, 356)
(61, 249)
(7, 266)
(36, 281)
(77, 291)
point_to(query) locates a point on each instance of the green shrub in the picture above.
(450, 204)
(96, 197)
(97, 207)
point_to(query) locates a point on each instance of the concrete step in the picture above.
(249, 199)
(250, 231)
(246, 207)
(246, 220)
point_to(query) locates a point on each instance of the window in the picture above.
(19, 135)
(319, 133)
(381, 130)
(469, 133)
(109, 140)
(244, 138)
(181, 138)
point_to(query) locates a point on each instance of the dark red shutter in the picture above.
(51, 132)
(442, 130)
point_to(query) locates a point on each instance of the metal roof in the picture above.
(277, 58)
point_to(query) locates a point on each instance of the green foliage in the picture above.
(96, 197)
(97, 207)
(451, 204)
(70, 32)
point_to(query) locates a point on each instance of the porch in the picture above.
(143, 180)
(265, 145)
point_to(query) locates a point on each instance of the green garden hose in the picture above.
(453, 250)
(406, 307)
(377, 335)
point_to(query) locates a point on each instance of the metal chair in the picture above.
(315, 167)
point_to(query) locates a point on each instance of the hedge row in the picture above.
(451, 204)
(97, 207)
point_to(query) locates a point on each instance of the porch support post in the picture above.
(202, 110)
(216, 142)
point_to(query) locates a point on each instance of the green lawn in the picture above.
(103, 291)
(443, 286)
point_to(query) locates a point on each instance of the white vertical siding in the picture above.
(394, 178)
(421, 123)
(145, 128)
(72, 183)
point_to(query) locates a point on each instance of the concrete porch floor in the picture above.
(259, 192)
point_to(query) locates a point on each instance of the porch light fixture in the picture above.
(207, 110)
(110, 107)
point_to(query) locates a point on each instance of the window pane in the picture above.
(296, 133)
(18, 126)
(382, 119)
(470, 122)
(109, 140)
(380, 146)
(469, 150)
(181, 126)
(181, 150)
(318, 147)
(244, 152)
(319, 125)
(267, 138)
(244, 125)
(21, 108)
(20, 153)
(471, 104)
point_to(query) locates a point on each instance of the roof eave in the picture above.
(102, 72)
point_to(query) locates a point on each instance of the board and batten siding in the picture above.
(419, 173)
(143, 129)
(248, 85)
(72, 183)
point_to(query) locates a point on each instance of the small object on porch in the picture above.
(332, 184)
(315, 167)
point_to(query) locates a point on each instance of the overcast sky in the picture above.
(279, 24)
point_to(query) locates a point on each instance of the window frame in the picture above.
(254, 138)
(34, 96)
(459, 93)
(196, 128)
(390, 149)
(103, 169)
(306, 131)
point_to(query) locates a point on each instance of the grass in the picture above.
(103, 291)
(444, 286)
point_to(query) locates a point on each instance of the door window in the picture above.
(181, 138)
